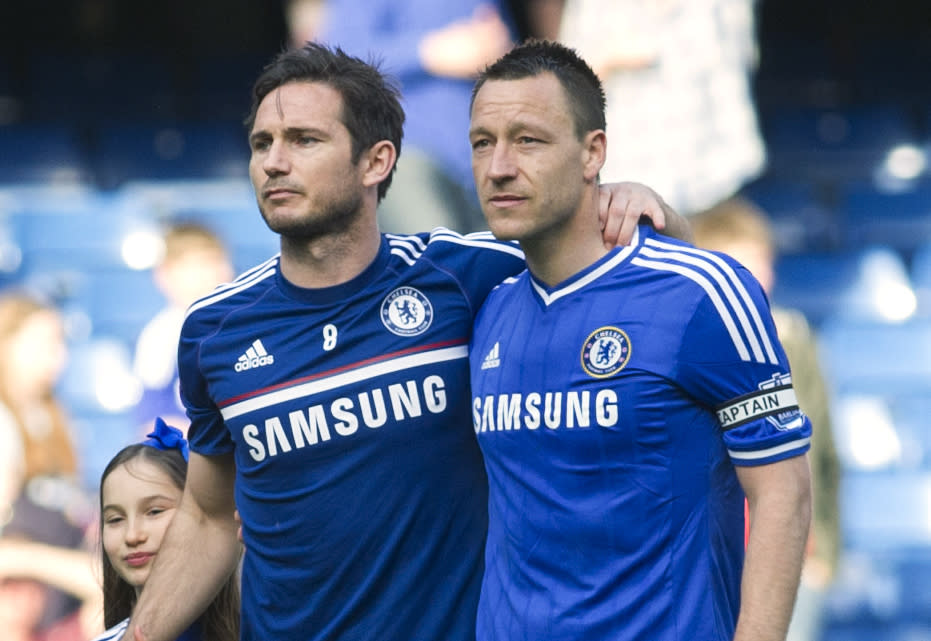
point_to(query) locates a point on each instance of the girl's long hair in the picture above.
(220, 622)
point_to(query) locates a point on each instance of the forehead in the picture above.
(134, 480)
(42, 322)
(299, 104)
(536, 98)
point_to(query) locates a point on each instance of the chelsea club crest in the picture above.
(606, 351)
(406, 312)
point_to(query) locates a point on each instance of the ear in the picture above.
(594, 150)
(378, 162)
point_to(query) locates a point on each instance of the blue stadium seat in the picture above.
(228, 207)
(801, 219)
(74, 229)
(42, 154)
(864, 283)
(898, 219)
(98, 379)
(849, 143)
(886, 511)
(887, 358)
(880, 592)
(98, 436)
(878, 631)
(920, 273)
(170, 151)
(118, 301)
(114, 302)
(878, 427)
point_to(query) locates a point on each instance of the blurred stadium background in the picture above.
(118, 116)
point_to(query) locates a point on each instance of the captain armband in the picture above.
(778, 403)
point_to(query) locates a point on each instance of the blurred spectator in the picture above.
(304, 19)
(676, 73)
(738, 228)
(434, 49)
(195, 261)
(35, 441)
(38, 459)
(45, 565)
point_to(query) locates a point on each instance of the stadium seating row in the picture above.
(882, 142)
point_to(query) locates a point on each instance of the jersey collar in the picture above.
(342, 292)
(603, 265)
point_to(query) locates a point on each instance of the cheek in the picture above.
(111, 539)
(256, 172)
(157, 533)
(157, 529)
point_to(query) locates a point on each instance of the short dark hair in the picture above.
(533, 57)
(371, 99)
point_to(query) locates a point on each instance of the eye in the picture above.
(113, 520)
(480, 143)
(260, 145)
(526, 140)
(157, 510)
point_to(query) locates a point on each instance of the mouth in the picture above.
(138, 559)
(278, 193)
(505, 200)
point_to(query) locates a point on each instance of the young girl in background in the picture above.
(140, 489)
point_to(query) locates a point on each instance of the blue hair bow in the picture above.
(166, 437)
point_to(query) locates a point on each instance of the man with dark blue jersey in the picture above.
(624, 400)
(328, 389)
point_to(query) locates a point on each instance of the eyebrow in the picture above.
(290, 132)
(517, 127)
(144, 499)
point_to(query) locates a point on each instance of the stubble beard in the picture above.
(333, 220)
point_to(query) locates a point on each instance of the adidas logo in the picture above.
(255, 356)
(491, 359)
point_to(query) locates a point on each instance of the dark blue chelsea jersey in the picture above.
(611, 411)
(359, 480)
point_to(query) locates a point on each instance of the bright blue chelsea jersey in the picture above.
(359, 480)
(611, 412)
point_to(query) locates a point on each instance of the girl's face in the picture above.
(139, 501)
(37, 353)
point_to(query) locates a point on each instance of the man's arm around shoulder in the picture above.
(198, 554)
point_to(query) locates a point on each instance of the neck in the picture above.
(332, 259)
(562, 252)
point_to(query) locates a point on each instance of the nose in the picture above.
(502, 165)
(135, 532)
(276, 161)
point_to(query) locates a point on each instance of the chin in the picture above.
(503, 231)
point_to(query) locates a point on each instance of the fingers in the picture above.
(629, 222)
(648, 203)
(621, 206)
(610, 217)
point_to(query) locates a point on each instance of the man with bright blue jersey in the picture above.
(328, 389)
(624, 400)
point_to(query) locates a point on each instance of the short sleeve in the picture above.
(477, 261)
(731, 359)
(207, 434)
